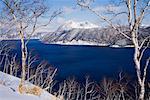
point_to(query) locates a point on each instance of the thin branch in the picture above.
(142, 52)
(145, 69)
(143, 42)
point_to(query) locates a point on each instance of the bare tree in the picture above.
(25, 15)
(89, 89)
(62, 89)
(8, 62)
(136, 10)
(70, 89)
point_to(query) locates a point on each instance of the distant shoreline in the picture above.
(76, 44)
(96, 45)
(15, 39)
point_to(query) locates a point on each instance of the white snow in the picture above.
(79, 42)
(115, 46)
(72, 24)
(88, 43)
(129, 46)
(9, 91)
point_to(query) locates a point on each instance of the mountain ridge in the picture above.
(92, 36)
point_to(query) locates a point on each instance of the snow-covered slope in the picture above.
(82, 36)
(81, 33)
(9, 91)
(73, 34)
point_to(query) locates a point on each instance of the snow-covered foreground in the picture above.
(9, 91)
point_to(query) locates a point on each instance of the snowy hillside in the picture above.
(9, 91)
(84, 36)
(87, 33)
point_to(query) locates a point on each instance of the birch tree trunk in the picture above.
(24, 57)
(138, 66)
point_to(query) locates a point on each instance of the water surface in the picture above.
(79, 61)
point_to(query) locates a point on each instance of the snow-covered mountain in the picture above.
(86, 33)
(78, 25)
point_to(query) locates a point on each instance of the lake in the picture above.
(79, 61)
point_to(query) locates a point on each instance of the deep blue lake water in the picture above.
(79, 61)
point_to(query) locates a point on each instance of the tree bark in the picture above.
(24, 57)
(137, 62)
(142, 91)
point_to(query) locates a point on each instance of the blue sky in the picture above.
(73, 12)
